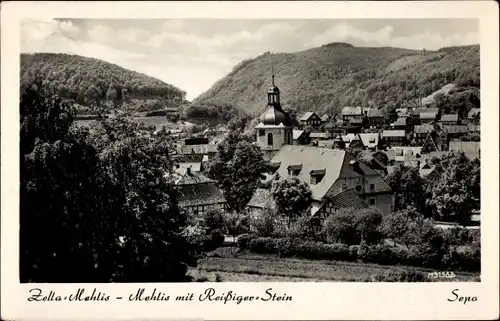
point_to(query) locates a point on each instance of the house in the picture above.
(310, 119)
(474, 116)
(370, 141)
(375, 163)
(325, 118)
(194, 166)
(394, 137)
(403, 123)
(348, 198)
(474, 128)
(455, 131)
(330, 171)
(429, 114)
(261, 201)
(449, 119)
(403, 112)
(347, 139)
(427, 117)
(197, 193)
(420, 132)
(428, 171)
(435, 142)
(349, 113)
(471, 149)
(300, 137)
(375, 118)
(330, 143)
(194, 152)
(319, 136)
(402, 152)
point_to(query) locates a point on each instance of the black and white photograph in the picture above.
(249, 150)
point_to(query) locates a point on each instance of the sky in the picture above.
(192, 54)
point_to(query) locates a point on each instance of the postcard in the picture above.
(250, 160)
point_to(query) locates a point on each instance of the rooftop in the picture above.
(393, 133)
(450, 117)
(351, 111)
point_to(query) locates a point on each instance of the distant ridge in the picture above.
(337, 74)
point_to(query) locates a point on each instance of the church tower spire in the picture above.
(275, 127)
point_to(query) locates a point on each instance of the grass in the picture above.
(248, 267)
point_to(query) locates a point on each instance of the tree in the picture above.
(457, 193)
(408, 188)
(395, 225)
(340, 227)
(368, 222)
(238, 168)
(96, 206)
(292, 196)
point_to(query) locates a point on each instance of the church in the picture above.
(275, 127)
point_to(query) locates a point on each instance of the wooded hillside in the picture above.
(95, 83)
(326, 78)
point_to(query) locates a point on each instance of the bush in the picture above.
(401, 276)
(264, 224)
(244, 241)
(263, 245)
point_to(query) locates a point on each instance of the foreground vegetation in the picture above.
(230, 265)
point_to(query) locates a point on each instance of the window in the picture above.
(344, 187)
(261, 132)
(372, 187)
(371, 201)
(270, 139)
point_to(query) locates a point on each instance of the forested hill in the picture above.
(95, 83)
(338, 74)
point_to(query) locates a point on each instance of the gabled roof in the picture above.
(455, 129)
(449, 117)
(308, 115)
(371, 113)
(198, 149)
(466, 147)
(297, 133)
(393, 133)
(326, 143)
(426, 110)
(325, 118)
(199, 194)
(370, 140)
(185, 176)
(428, 115)
(473, 113)
(356, 121)
(195, 166)
(424, 128)
(319, 135)
(312, 158)
(346, 199)
(473, 127)
(401, 151)
(351, 111)
(401, 121)
(426, 171)
(262, 198)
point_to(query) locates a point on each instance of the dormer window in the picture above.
(317, 175)
(294, 170)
